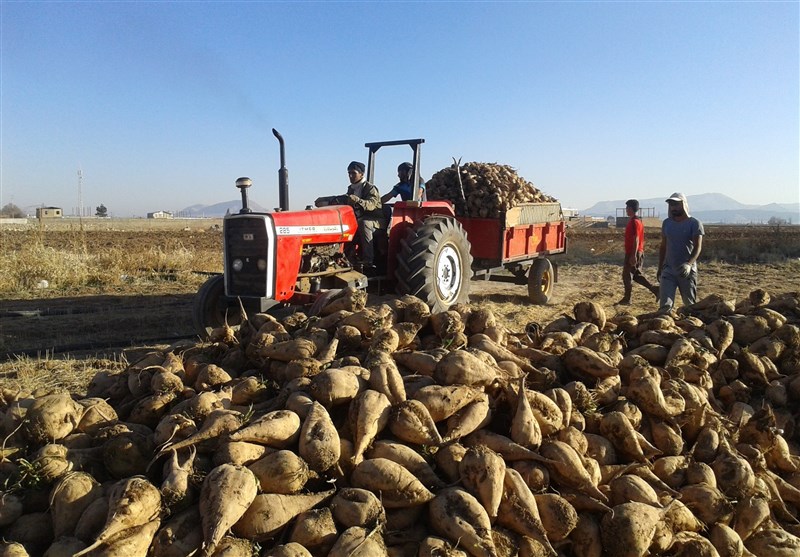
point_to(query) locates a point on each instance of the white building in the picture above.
(49, 213)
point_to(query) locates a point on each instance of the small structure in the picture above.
(160, 215)
(49, 213)
(648, 215)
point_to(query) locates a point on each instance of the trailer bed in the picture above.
(523, 233)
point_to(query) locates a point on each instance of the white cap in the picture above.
(680, 198)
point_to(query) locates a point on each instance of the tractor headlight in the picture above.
(262, 265)
(237, 265)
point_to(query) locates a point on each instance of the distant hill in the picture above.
(709, 208)
(218, 209)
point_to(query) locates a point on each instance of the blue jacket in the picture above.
(404, 190)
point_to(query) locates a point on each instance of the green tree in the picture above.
(11, 211)
(101, 211)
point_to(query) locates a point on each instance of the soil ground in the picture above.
(89, 322)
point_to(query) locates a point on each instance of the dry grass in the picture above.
(725, 244)
(47, 373)
(48, 263)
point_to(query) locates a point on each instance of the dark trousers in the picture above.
(365, 241)
(633, 273)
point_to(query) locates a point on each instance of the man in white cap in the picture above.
(681, 243)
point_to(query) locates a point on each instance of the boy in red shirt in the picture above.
(634, 253)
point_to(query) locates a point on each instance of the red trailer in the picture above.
(520, 242)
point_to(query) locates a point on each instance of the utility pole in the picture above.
(80, 202)
(80, 192)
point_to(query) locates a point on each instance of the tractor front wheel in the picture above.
(435, 264)
(211, 308)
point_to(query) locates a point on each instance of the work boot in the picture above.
(370, 270)
(625, 301)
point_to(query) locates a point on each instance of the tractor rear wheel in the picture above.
(211, 308)
(435, 264)
(540, 281)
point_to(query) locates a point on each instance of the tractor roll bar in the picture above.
(415, 146)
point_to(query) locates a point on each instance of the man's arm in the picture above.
(697, 241)
(389, 196)
(634, 251)
(662, 254)
(371, 199)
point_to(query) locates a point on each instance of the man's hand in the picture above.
(685, 270)
(353, 199)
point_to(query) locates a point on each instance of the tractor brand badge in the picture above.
(247, 237)
(307, 230)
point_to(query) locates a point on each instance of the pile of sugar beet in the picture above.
(483, 190)
(388, 430)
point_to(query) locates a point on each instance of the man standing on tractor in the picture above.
(366, 202)
(405, 173)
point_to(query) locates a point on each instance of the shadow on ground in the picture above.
(86, 323)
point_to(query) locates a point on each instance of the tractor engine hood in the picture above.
(318, 226)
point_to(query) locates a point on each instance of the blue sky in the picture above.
(163, 105)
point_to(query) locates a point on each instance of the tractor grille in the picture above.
(247, 239)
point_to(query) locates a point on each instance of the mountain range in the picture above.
(218, 209)
(708, 208)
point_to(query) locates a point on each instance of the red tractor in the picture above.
(291, 258)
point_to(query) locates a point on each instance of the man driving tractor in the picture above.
(366, 202)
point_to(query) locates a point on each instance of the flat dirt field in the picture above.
(155, 308)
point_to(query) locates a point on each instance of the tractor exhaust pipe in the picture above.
(283, 175)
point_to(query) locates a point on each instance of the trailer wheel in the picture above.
(540, 281)
(211, 308)
(435, 263)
